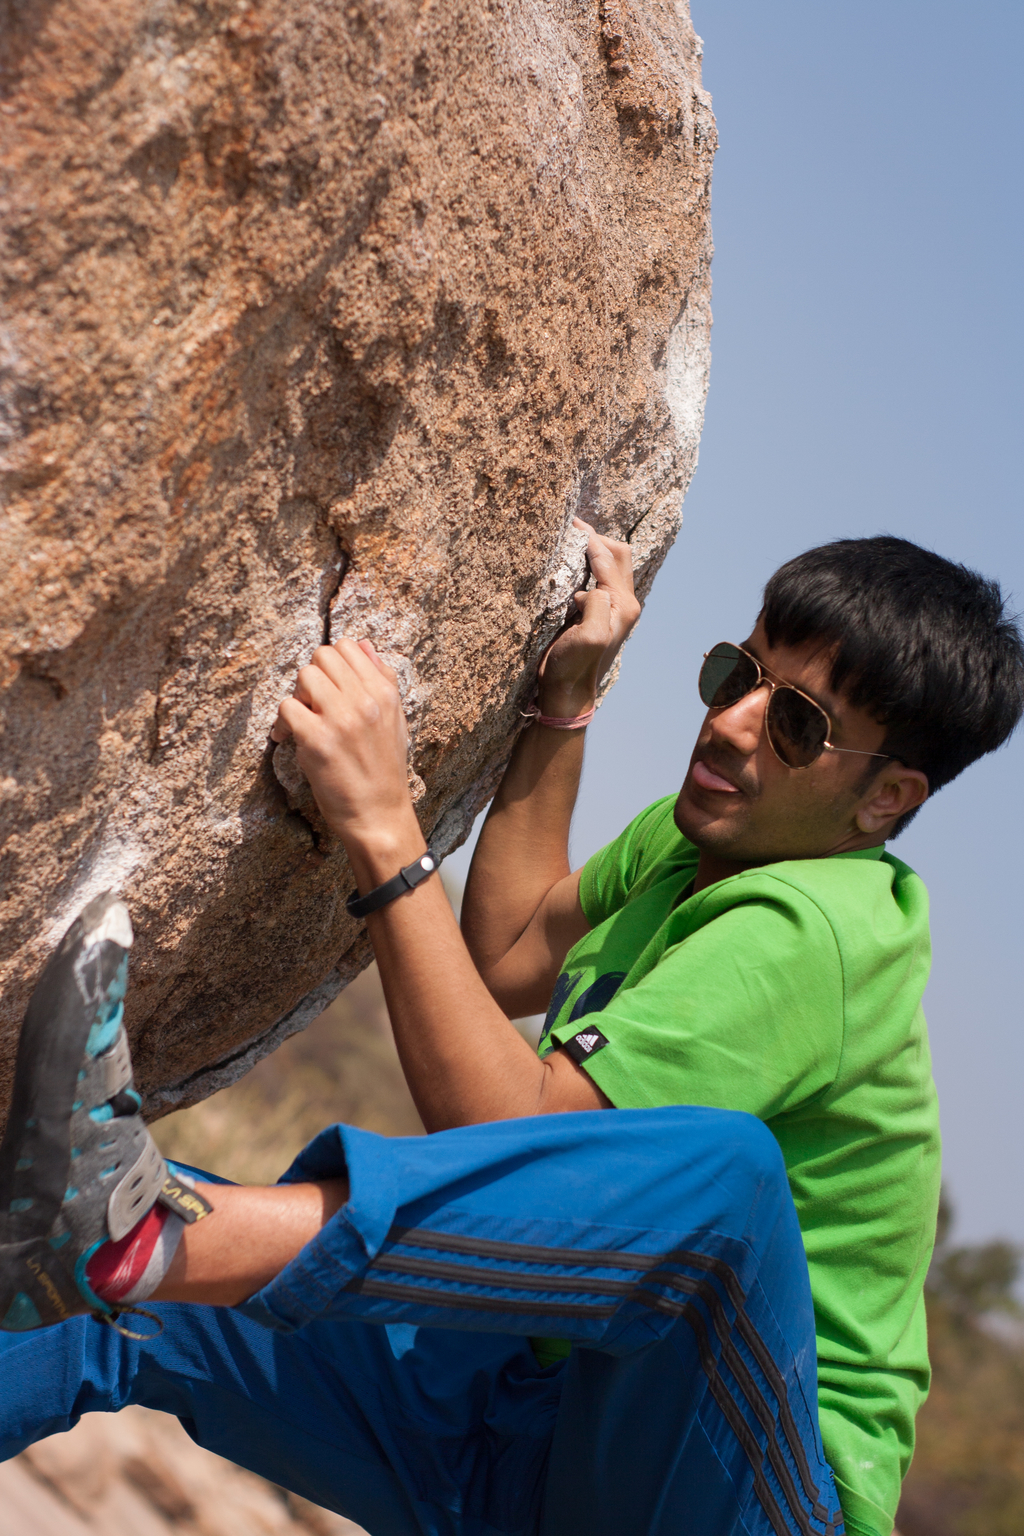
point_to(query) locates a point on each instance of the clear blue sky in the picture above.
(866, 377)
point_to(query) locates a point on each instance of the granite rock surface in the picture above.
(317, 318)
(138, 1473)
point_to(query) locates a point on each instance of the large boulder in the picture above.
(319, 316)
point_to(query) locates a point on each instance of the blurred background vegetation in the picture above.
(343, 1067)
(967, 1478)
(968, 1473)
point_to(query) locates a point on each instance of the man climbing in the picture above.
(624, 1322)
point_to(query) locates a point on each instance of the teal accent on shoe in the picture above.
(103, 1113)
(70, 1193)
(75, 1152)
(30, 1125)
(82, 1280)
(102, 1036)
(119, 985)
(23, 1163)
(104, 1032)
(108, 1171)
(21, 1315)
(82, 1075)
(60, 1240)
(20, 1205)
(133, 1095)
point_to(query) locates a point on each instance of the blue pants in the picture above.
(386, 1372)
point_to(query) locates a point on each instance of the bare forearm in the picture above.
(523, 848)
(462, 1057)
(519, 882)
(463, 1061)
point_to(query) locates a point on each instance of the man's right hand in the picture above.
(579, 657)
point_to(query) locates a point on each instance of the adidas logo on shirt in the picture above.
(582, 1046)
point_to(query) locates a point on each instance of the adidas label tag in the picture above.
(584, 1045)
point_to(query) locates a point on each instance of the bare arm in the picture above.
(463, 1060)
(521, 913)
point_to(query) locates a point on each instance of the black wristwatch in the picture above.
(407, 879)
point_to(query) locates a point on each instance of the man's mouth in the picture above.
(706, 778)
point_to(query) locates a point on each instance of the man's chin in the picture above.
(706, 827)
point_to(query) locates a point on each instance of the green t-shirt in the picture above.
(793, 992)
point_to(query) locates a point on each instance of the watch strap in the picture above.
(407, 879)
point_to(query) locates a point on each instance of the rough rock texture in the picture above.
(316, 316)
(137, 1473)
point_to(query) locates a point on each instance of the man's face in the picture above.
(739, 802)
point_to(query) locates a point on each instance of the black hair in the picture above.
(926, 646)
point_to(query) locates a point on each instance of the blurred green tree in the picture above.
(967, 1477)
(973, 1281)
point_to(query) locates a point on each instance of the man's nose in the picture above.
(741, 724)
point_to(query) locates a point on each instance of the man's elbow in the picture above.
(566, 1089)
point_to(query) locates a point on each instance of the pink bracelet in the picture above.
(559, 722)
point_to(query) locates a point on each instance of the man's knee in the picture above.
(753, 1155)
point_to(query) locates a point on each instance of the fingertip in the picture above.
(368, 649)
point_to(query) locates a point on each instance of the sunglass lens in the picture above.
(727, 674)
(797, 728)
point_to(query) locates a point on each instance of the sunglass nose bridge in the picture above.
(796, 726)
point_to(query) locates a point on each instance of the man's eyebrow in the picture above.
(829, 708)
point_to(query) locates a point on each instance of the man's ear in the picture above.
(895, 791)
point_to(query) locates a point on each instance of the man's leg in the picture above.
(711, 1429)
(407, 1435)
(663, 1242)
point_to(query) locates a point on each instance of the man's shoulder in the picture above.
(859, 896)
(656, 821)
(845, 880)
(624, 868)
(649, 839)
(653, 848)
(874, 905)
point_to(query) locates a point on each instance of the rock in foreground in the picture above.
(137, 1473)
(317, 318)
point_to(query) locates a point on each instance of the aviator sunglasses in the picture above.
(798, 728)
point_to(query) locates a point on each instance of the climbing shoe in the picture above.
(80, 1175)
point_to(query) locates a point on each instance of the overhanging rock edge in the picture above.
(281, 304)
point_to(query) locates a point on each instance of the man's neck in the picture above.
(712, 867)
